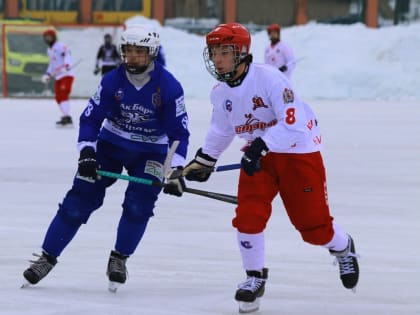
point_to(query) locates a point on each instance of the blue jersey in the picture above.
(143, 120)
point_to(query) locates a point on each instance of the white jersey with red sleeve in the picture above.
(263, 105)
(279, 55)
(60, 61)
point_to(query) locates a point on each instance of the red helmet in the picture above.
(273, 27)
(230, 34)
(50, 32)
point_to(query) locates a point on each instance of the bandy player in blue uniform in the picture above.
(136, 114)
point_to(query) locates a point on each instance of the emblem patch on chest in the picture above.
(258, 102)
(288, 96)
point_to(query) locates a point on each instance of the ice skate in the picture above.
(39, 268)
(65, 121)
(116, 270)
(349, 268)
(251, 290)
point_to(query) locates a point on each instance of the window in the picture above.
(117, 5)
(51, 5)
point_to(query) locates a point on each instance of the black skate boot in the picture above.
(39, 268)
(251, 290)
(349, 268)
(65, 121)
(116, 270)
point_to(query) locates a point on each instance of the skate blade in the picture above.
(26, 284)
(249, 307)
(113, 286)
(64, 127)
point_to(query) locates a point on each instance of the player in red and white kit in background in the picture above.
(282, 156)
(59, 68)
(278, 53)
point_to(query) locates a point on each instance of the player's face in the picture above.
(223, 58)
(274, 35)
(137, 55)
(48, 39)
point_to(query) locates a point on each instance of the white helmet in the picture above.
(141, 35)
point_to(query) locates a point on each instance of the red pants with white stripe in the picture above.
(301, 182)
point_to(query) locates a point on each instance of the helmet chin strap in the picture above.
(237, 81)
(274, 41)
(135, 69)
(229, 76)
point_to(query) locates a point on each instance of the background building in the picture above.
(199, 14)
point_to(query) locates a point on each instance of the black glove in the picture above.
(96, 71)
(250, 161)
(201, 160)
(174, 182)
(87, 163)
(283, 68)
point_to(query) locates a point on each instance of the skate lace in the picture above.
(41, 266)
(251, 284)
(346, 263)
(117, 265)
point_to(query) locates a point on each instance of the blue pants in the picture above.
(85, 197)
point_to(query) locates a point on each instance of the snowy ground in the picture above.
(188, 262)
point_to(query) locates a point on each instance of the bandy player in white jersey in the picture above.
(258, 104)
(278, 53)
(59, 68)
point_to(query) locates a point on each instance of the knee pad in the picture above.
(78, 205)
(73, 216)
(138, 212)
(250, 223)
(318, 235)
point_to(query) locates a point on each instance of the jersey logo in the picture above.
(258, 102)
(180, 106)
(134, 114)
(134, 118)
(253, 124)
(119, 94)
(288, 96)
(228, 105)
(154, 168)
(96, 98)
(246, 244)
(250, 119)
(317, 140)
(310, 124)
(185, 122)
(156, 99)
